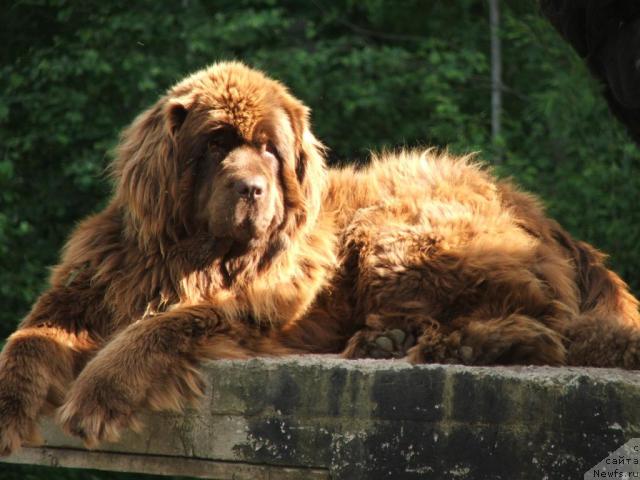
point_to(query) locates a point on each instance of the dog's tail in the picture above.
(606, 333)
(601, 290)
(605, 329)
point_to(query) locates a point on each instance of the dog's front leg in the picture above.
(153, 363)
(43, 356)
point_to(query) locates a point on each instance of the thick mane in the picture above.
(145, 174)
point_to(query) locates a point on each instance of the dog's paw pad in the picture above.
(466, 354)
(385, 343)
(392, 343)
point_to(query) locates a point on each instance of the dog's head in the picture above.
(226, 152)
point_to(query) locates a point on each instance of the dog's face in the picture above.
(237, 192)
(226, 152)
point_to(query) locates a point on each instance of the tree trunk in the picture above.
(496, 76)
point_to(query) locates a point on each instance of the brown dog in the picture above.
(227, 237)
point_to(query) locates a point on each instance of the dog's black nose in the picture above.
(251, 187)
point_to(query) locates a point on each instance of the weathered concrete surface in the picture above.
(319, 417)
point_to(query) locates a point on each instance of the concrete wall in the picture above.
(319, 417)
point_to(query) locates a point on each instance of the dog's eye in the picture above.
(270, 152)
(271, 149)
(225, 138)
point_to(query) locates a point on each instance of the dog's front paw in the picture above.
(16, 427)
(97, 412)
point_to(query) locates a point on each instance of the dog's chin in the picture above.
(249, 231)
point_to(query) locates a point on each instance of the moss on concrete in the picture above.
(378, 419)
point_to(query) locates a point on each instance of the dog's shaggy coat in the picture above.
(226, 236)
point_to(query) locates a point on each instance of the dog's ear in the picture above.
(146, 173)
(176, 111)
(305, 170)
(302, 173)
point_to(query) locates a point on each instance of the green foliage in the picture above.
(377, 73)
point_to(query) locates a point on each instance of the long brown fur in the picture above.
(227, 237)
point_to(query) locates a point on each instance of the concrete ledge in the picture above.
(319, 417)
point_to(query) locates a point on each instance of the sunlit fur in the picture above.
(421, 241)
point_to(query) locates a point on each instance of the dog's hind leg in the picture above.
(368, 343)
(387, 337)
(599, 341)
(513, 339)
